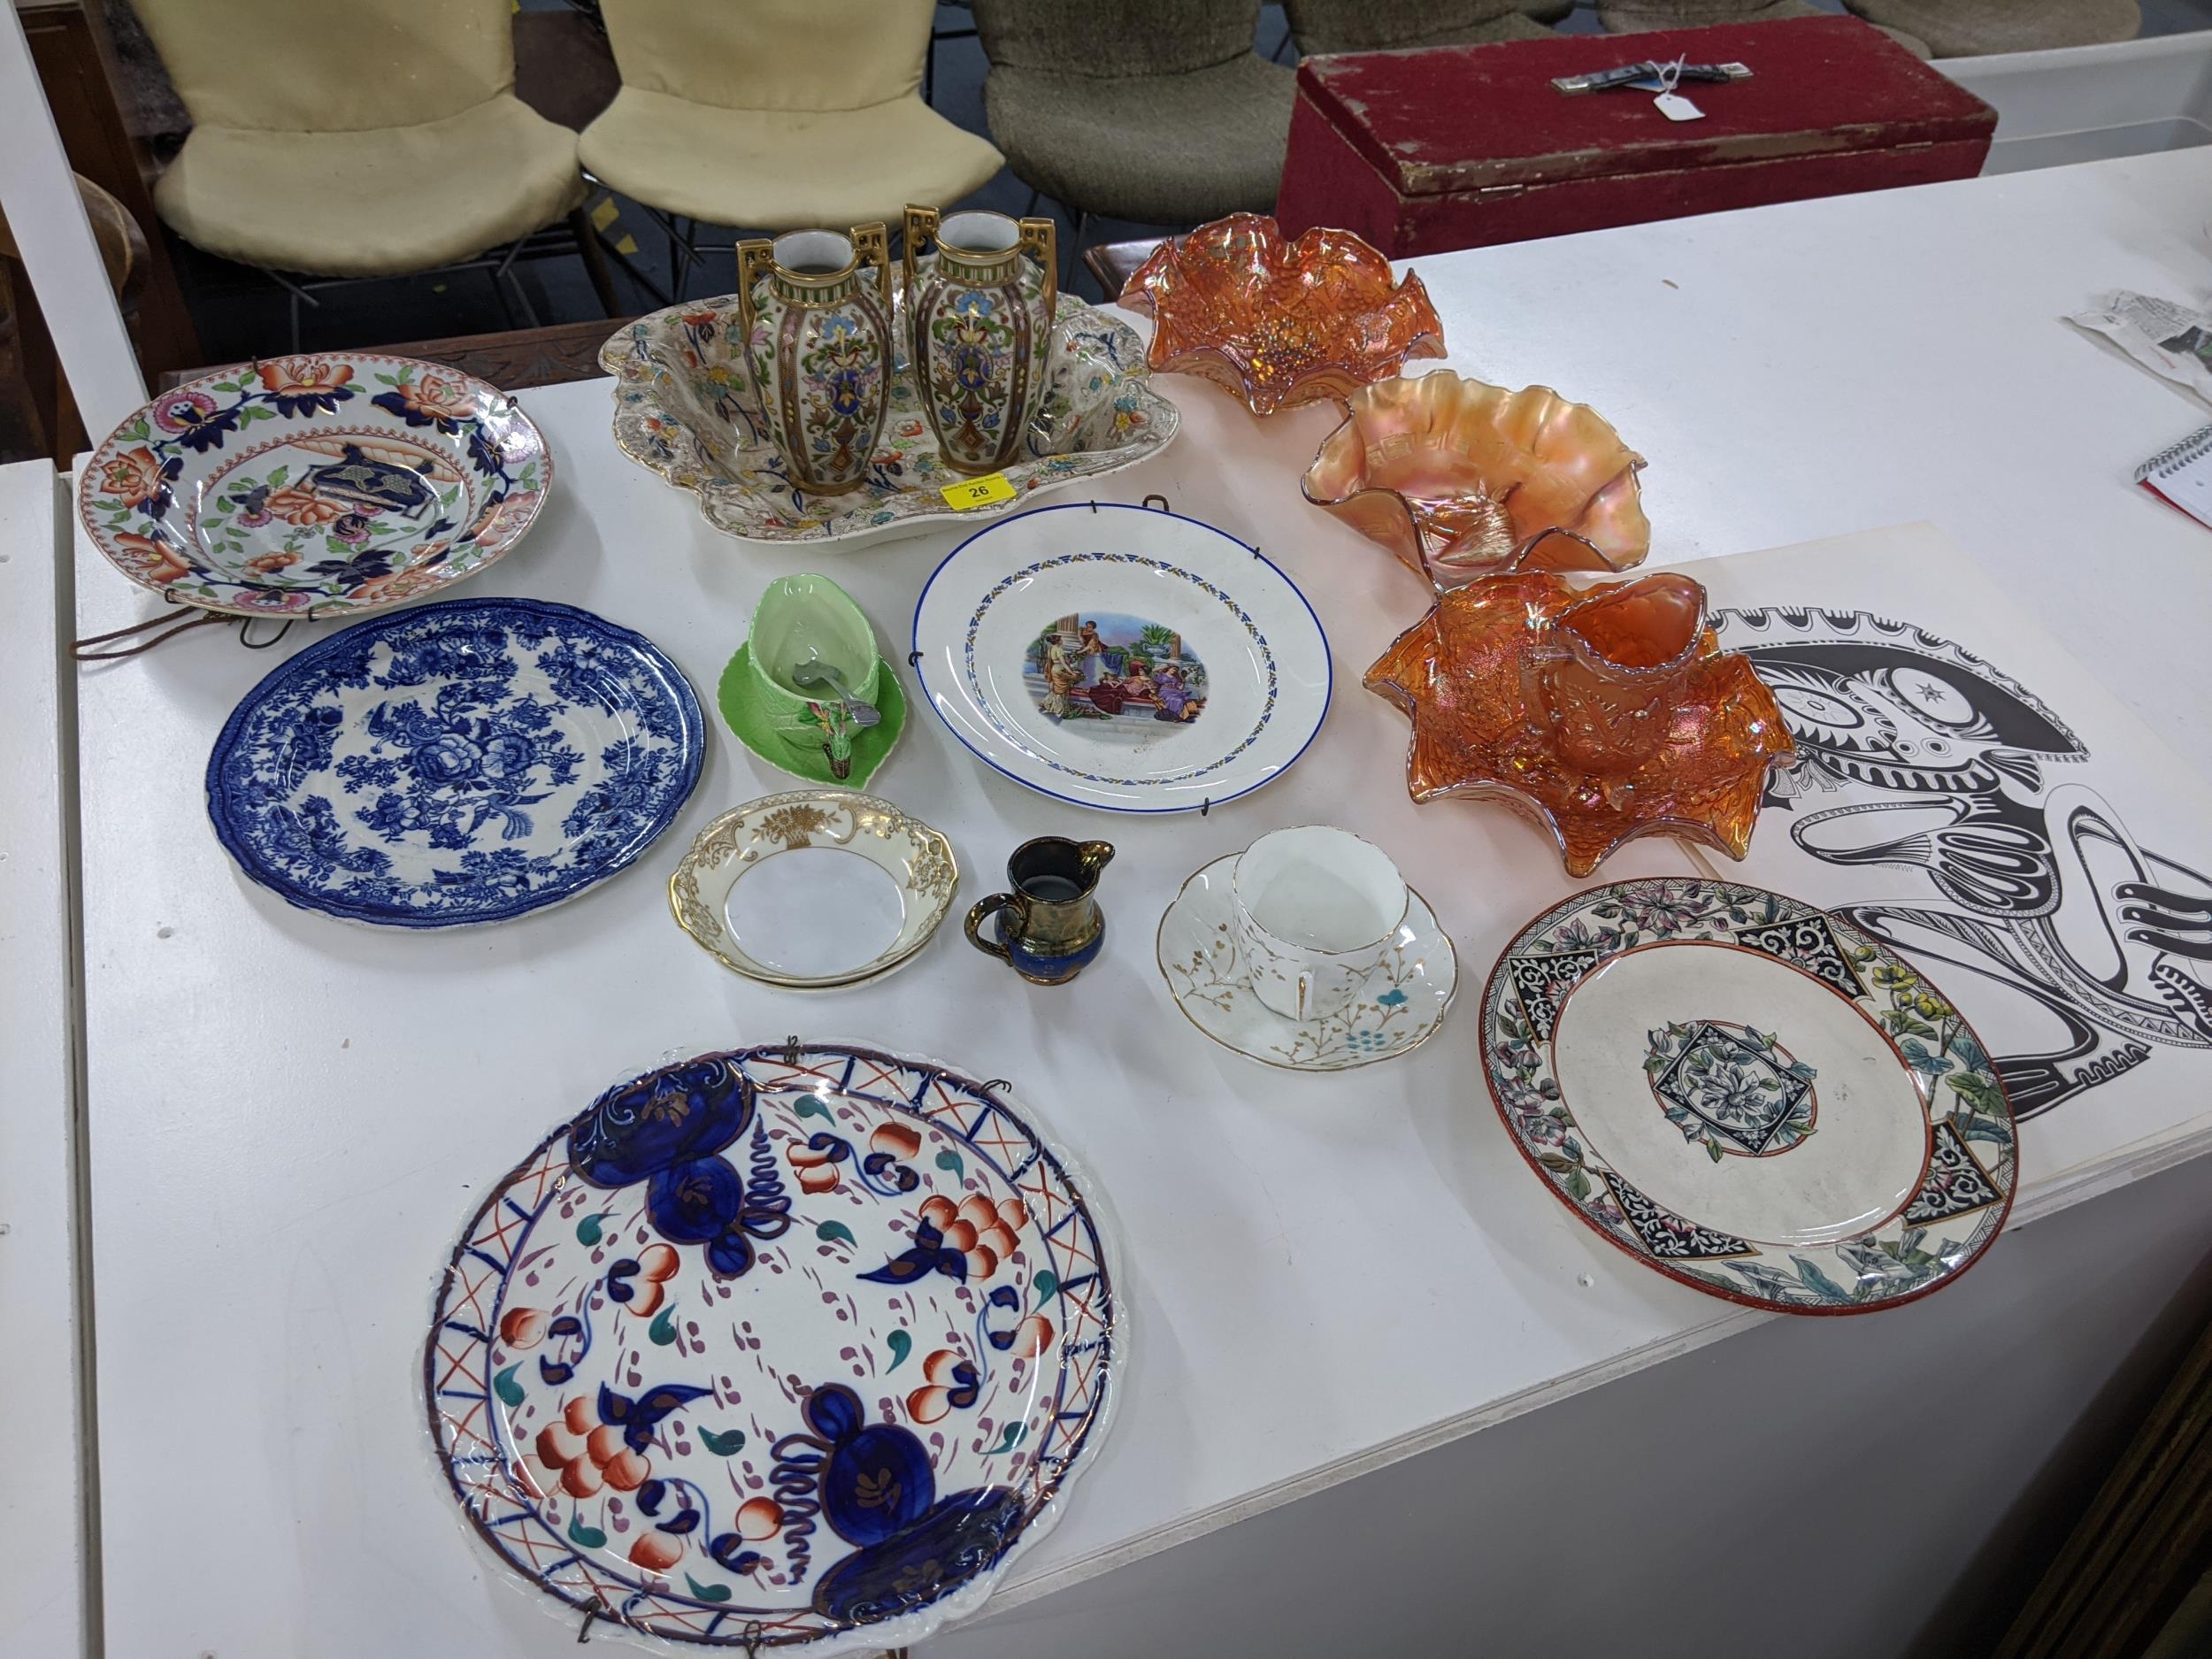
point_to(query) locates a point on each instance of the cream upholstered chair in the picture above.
(777, 114)
(354, 138)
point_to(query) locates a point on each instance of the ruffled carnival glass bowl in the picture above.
(1277, 323)
(1602, 712)
(1458, 479)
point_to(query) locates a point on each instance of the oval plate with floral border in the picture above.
(333, 484)
(789, 1347)
(1121, 657)
(455, 763)
(1749, 1095)
(683, 408)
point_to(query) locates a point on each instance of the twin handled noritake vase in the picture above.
(816, 308)
(979, 329)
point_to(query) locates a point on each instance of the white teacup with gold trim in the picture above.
(1316, 908)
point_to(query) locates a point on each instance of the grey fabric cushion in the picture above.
(1968, 28)
(1374, 26)
(1114, 39)
(1635, 17)
(1166, 150)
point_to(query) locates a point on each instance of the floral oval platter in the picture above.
(461, 761)
(870, 893)
(1121, 657)
(786, 1347)
(683, 408)
(331, 485)
(1751, 1095)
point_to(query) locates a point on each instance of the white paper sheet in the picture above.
(1966, 788)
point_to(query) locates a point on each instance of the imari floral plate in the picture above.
(683, 408)
(814, 889)
(1749, 1095)
(1121, 657)
(462, 762)
(319, 486)
(793, 1348)
(1399, 1009)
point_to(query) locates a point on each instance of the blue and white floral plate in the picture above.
(455, 763)
(330, 484)
(1397, 1011)
(787, 1347)
(1750, 1096)
(1121, 657)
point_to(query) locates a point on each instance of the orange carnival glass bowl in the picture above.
(1603, 712)
(1280, 323)
(1455, 476)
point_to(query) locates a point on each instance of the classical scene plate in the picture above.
(1399, 1009)
(683, 408)
(455, 763)
(1749, 1095)
(327, 485)
(1121, 657)
(791, 1347)
(814, 888)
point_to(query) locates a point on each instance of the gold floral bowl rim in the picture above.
(704, 855)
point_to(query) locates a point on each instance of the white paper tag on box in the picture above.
(2181, 475)
(1675, 107)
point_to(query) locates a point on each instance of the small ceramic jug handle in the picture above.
(1038, 241)
(753, 259)
(873, 244)
(921, 225)
(983, 907)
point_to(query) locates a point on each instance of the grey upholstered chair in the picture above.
(1968, 28)
(1634, 17)
(1156, 111)
(1374, 26)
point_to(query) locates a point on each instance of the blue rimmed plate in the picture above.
(788, 1347)
(455, 763)
(1749, 1095)
(1121, 657)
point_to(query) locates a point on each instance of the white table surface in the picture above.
(291, 1118)
(42, 1537)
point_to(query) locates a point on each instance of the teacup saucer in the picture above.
(1397, 1009)
(872, 745)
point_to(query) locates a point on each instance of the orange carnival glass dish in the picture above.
(1455, 476)
(1280, 323)
(1603, 712)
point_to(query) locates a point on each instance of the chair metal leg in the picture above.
(594, 259)
(505, 270)
(1073, 257)
(1032, 208)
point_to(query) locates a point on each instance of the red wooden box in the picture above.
(1461, 146)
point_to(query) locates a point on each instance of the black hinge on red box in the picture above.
(1463, 146)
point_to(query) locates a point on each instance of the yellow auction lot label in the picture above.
(977, 492)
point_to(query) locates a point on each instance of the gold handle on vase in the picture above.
(1039, 240)
(921, 225)
(872, 245)
(754, 259)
